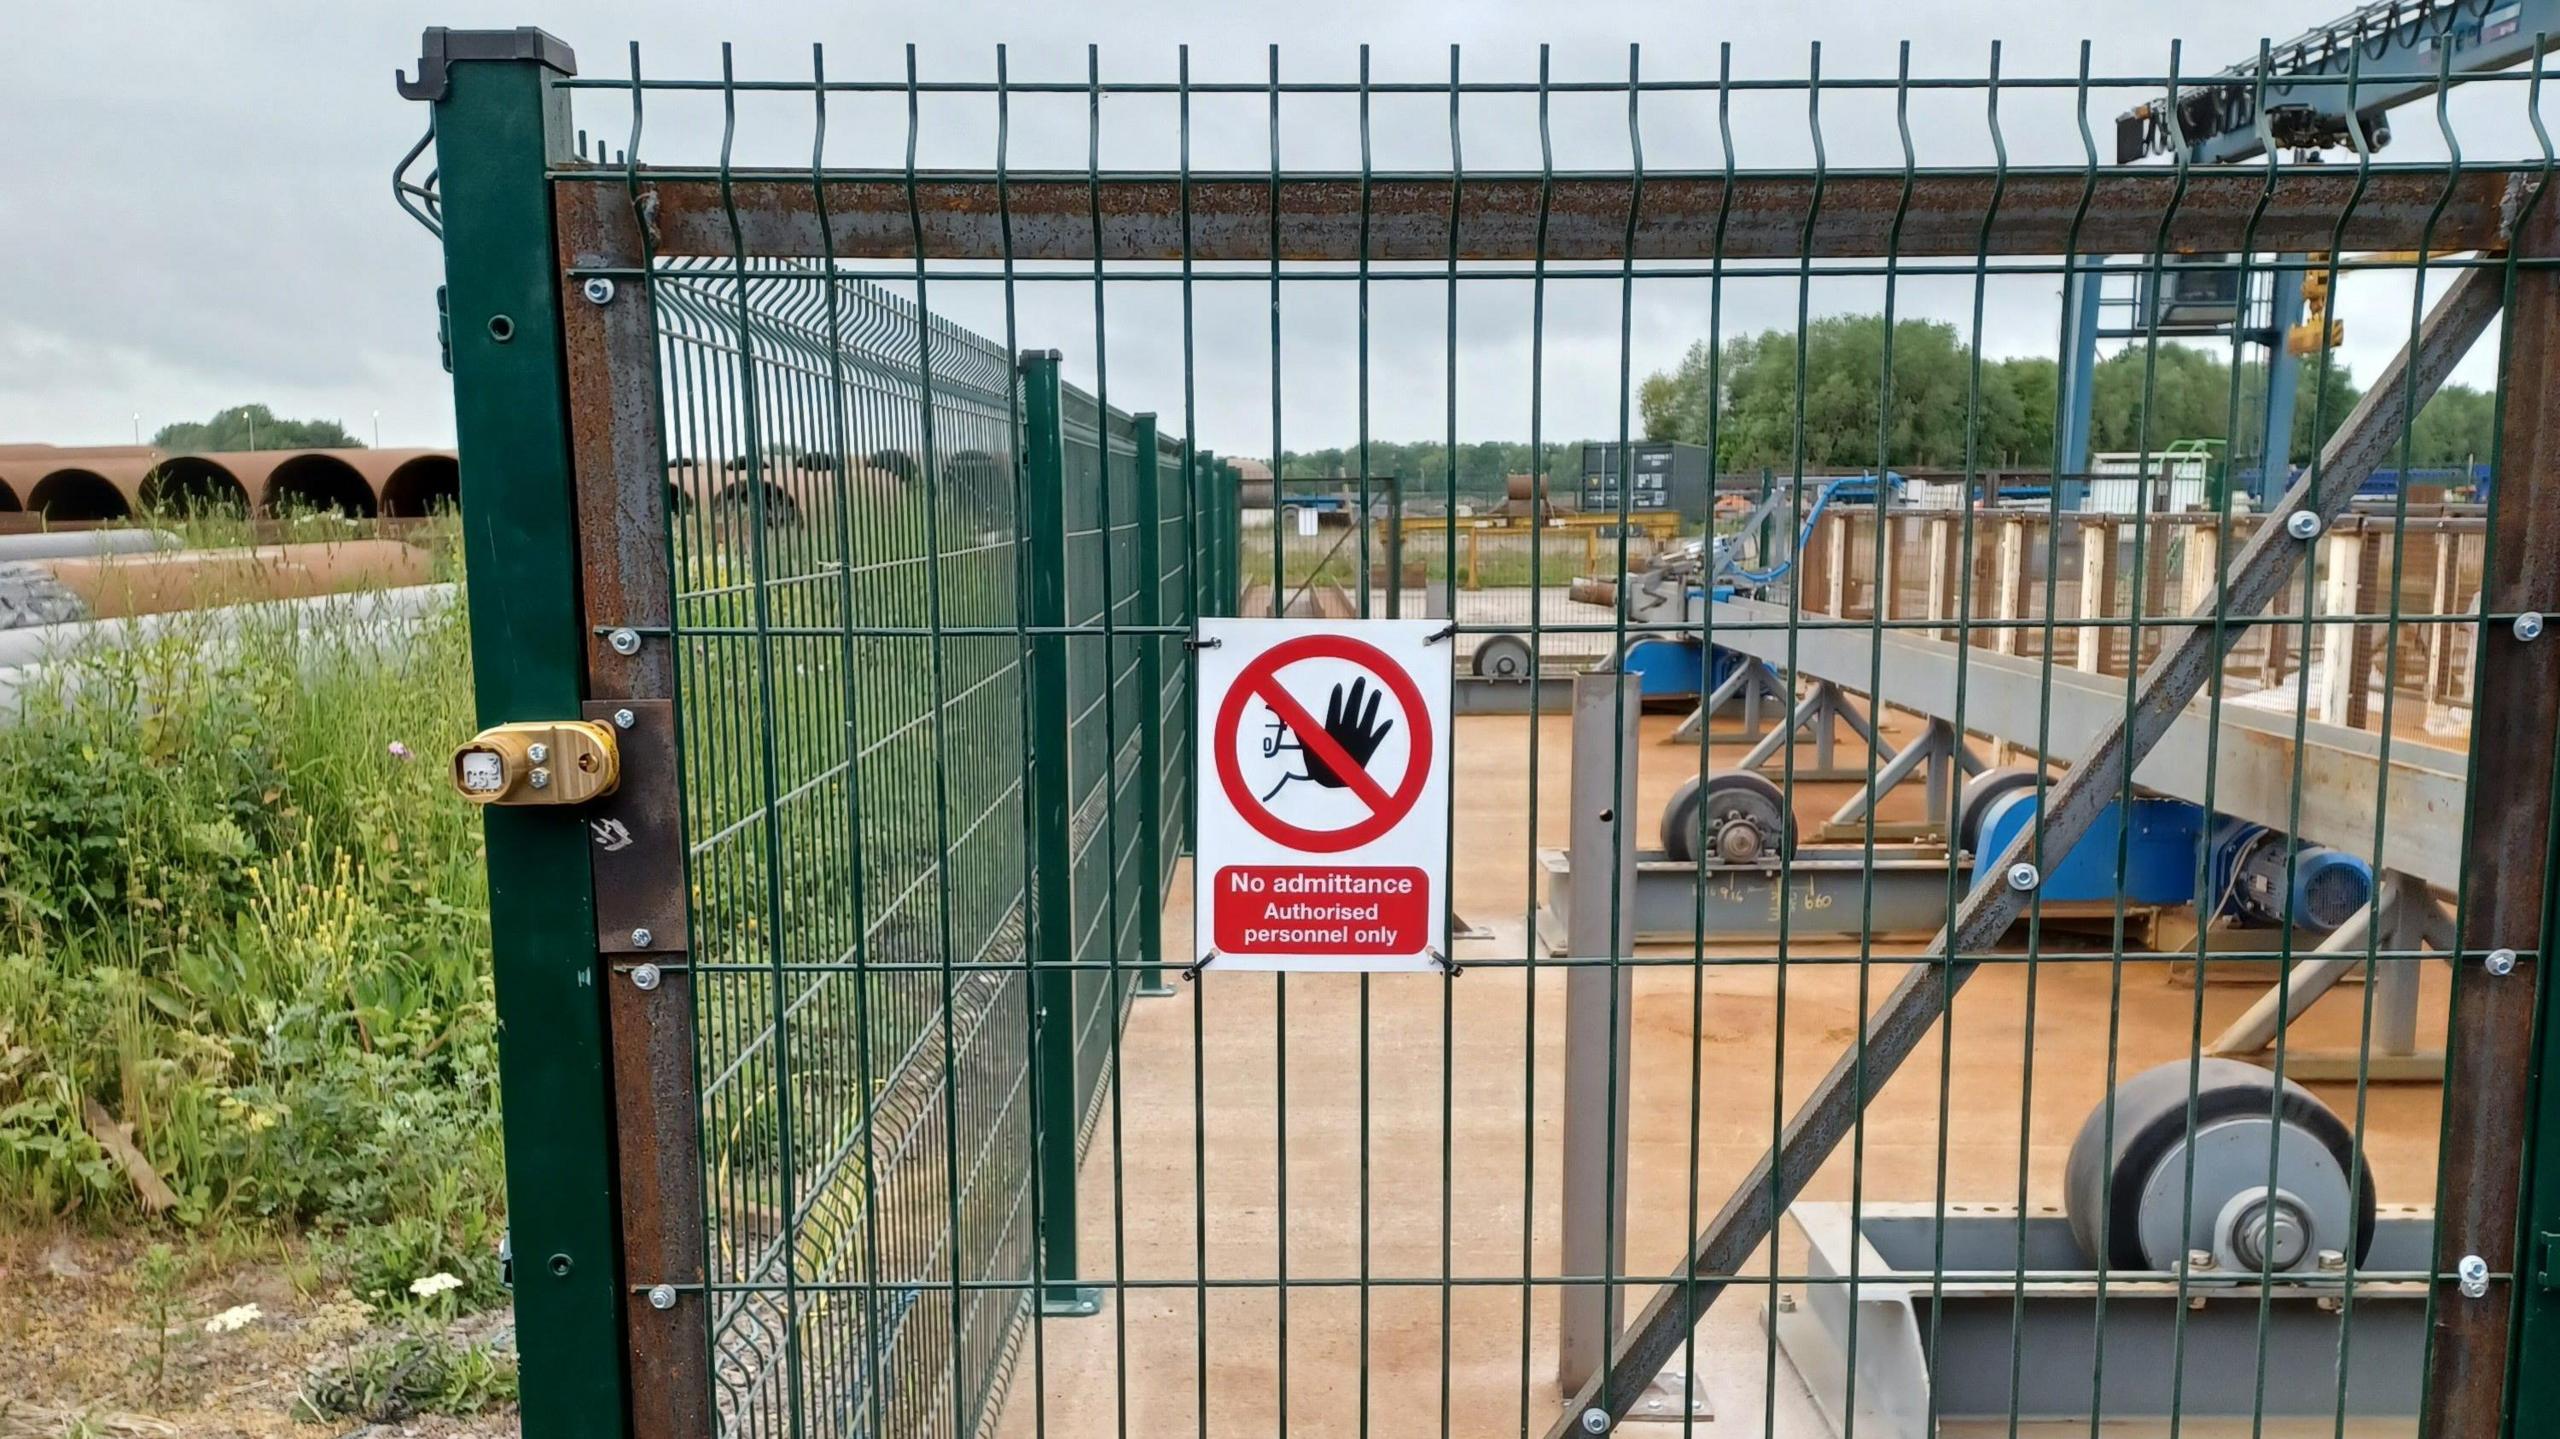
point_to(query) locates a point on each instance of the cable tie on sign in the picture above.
(1442, 633)
(1192, 970)
(1194, 642)
(1447, 965)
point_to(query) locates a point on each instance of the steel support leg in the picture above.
(1599, 1009)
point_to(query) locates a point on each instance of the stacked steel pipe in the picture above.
(107, 482)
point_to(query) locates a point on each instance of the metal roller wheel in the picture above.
(1980, 793)
(1741, 816)
(2135, 1181)
(1502, 657)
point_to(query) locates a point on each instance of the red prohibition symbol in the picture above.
(1260, 680)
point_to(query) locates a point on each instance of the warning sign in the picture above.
(1324, 794)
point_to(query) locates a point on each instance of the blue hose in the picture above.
(1804, 536)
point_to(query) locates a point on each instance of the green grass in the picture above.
(241, 914)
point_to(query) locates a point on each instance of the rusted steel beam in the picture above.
(1919, 999)
(1408, 216)
(2506, 861)
(637, 850)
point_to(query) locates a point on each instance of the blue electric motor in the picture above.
(2249, 863)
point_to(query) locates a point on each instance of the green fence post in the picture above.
(1149, 593)
(1215, 533)
(1044, 483)
(501, 117)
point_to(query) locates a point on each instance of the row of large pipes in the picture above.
(114, 482)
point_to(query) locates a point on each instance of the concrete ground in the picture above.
(1408, 1128)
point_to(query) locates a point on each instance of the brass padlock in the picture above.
(538, 762)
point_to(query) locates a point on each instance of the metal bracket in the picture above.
(441, 45)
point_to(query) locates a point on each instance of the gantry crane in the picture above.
(2408, 48)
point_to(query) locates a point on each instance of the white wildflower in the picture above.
(434, 1284)
(238, 1316)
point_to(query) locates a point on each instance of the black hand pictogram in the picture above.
(1359, 732)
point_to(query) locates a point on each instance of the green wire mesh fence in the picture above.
(1868, 1093)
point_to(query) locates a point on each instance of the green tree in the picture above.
(254, 427)
(2457, 427)
(1933, 393)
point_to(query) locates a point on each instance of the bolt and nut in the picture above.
(538, 753)
(2023, 876)
(662, 1296)
(646, 977)
(2473, 1272)
(2528, 626)
(539, 779)
(625, 641)
(599, 291)
(1595, 1421)
(2303, 524)
(641, 937)
(2501, 962)
(624, 719)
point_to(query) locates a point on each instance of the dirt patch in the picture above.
(94, 1351)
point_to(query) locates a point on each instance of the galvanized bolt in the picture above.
(2202, 1259)
(2332, 1261)
(538, 753)
(2023, 876)
(2528, 626)
(2303, 524)
(624, 641)
(624, 719)
(2499, 962)
(2473, 1271)
(539, 779)
(645, 977)
(599, 291)
(642, 936)
(1595, 1421)
(662, 1296)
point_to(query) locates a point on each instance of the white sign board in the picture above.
(1323, 778)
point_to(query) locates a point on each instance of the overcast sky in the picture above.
(198, 207)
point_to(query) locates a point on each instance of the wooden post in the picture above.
(1942, 573)
(2199, 562)
(1889, 567)
(1836, 566)
(2097, 591)
(2013, 586)
(2341, 697)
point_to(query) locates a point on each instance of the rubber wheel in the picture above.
(1725, 792)
(1979, 794)
(2151, 1120)
(1502, 657)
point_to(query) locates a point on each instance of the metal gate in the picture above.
(833, 1110)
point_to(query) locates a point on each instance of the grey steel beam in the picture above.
(1918, 1000)
(1599, 1017)
(2342, 775)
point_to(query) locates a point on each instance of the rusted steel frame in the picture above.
(617, 453)
(1918, 1001)
(1407, 217)
(2506, 864)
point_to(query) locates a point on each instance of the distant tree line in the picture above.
(2141, 396)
